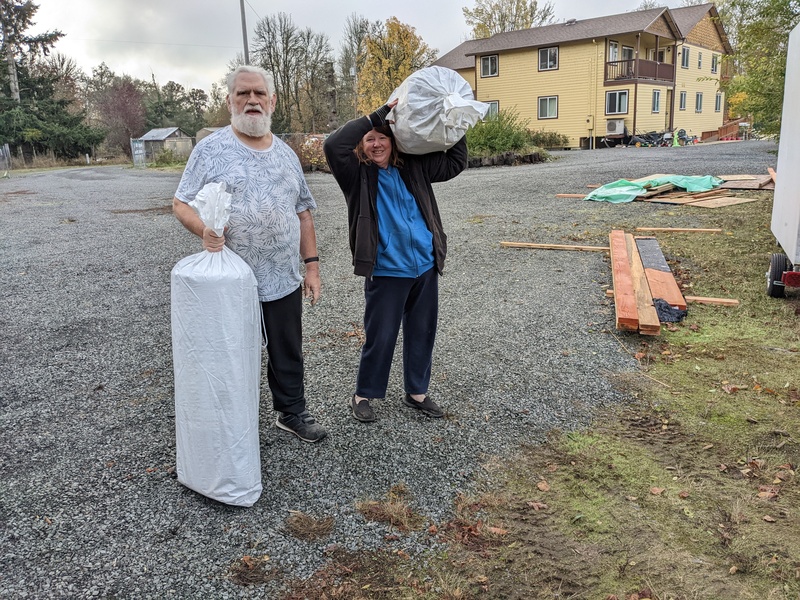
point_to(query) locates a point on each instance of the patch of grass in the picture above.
(306, 527)
(395, 510)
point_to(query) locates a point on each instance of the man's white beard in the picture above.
(251, 125)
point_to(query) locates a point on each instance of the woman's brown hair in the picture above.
(394, 157)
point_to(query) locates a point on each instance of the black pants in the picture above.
(390, 302)
(283, 323)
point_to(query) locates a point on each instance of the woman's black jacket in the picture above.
(359, 182)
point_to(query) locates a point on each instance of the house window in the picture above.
(613, 51)
(698, 102)
(714, 63)
(685, 58)
(627, 53)
(548, 59)
(489, 66)
(494, 108)
(718, 102)
(548, 107)
(699, 60)
(682, 101)
(656, 101)
(617, 102)
(656, 56)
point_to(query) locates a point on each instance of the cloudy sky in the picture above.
(192, 41)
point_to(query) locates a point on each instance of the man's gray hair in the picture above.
(265, 75)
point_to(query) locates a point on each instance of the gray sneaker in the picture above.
(302, 425)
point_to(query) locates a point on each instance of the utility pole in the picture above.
(244, 34)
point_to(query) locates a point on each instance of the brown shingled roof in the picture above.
(688, 17)
(457, 57)
(575, 30)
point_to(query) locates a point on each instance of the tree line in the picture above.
(49, 106)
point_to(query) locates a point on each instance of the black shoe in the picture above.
(303, 426)
(362, 410)
(428, 407)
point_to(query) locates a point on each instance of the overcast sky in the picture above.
(191, 42)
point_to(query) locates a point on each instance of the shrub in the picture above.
(308, 148)
(499, 133)
(167, 158)
(549, 139)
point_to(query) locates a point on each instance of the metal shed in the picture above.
(167, 138)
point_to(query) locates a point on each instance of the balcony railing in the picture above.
(626, 70)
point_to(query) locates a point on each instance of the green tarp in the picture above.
(623, 190)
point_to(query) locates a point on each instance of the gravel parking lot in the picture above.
(88, 503)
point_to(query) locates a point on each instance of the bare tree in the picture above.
(498, 16)
(352, 54)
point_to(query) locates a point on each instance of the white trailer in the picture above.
(786, 207)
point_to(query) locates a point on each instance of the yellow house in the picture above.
(648, 70)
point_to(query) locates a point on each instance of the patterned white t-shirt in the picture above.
(269, 190)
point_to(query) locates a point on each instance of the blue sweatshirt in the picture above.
(405, 246)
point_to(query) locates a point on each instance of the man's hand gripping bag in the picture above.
(216, 346)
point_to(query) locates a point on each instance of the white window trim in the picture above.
(494, 107)
(685, 58)
(539, 55)
(618, 93)
(698, 102)
(496, 65)
(718, 102)
(714, 63)
(682, 101)
(539, 105)
(656, 106)
(699, 60)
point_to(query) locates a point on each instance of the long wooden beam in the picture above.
(553, 246)
(627, 317)
(679, 229)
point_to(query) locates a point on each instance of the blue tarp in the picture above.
(623, 190)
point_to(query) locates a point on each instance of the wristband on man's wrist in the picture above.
(311, 259)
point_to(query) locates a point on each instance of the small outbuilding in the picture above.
(167, 138)
(205, 131)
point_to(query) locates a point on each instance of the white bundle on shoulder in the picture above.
(435, 107)
(216, 351)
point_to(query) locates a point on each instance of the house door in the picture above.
(668, 111)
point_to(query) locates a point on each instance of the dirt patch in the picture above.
(157, 210)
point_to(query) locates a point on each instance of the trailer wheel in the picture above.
(778, 263)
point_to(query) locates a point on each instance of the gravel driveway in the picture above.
(88, 503)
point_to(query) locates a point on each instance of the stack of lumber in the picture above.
(640, 274)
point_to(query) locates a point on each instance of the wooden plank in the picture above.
(659, 276)
(698, 300)
(713, 301)
(737, 177)
(593, 186)
(708, 194)
(553, 246)
(570, 195)
(649, 323)
(719, 202)
(762, 182)
(627, 316)
(671, 200)
(772, 174)
(654, 191)
(679, 229)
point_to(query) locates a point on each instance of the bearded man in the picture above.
(271, 227)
